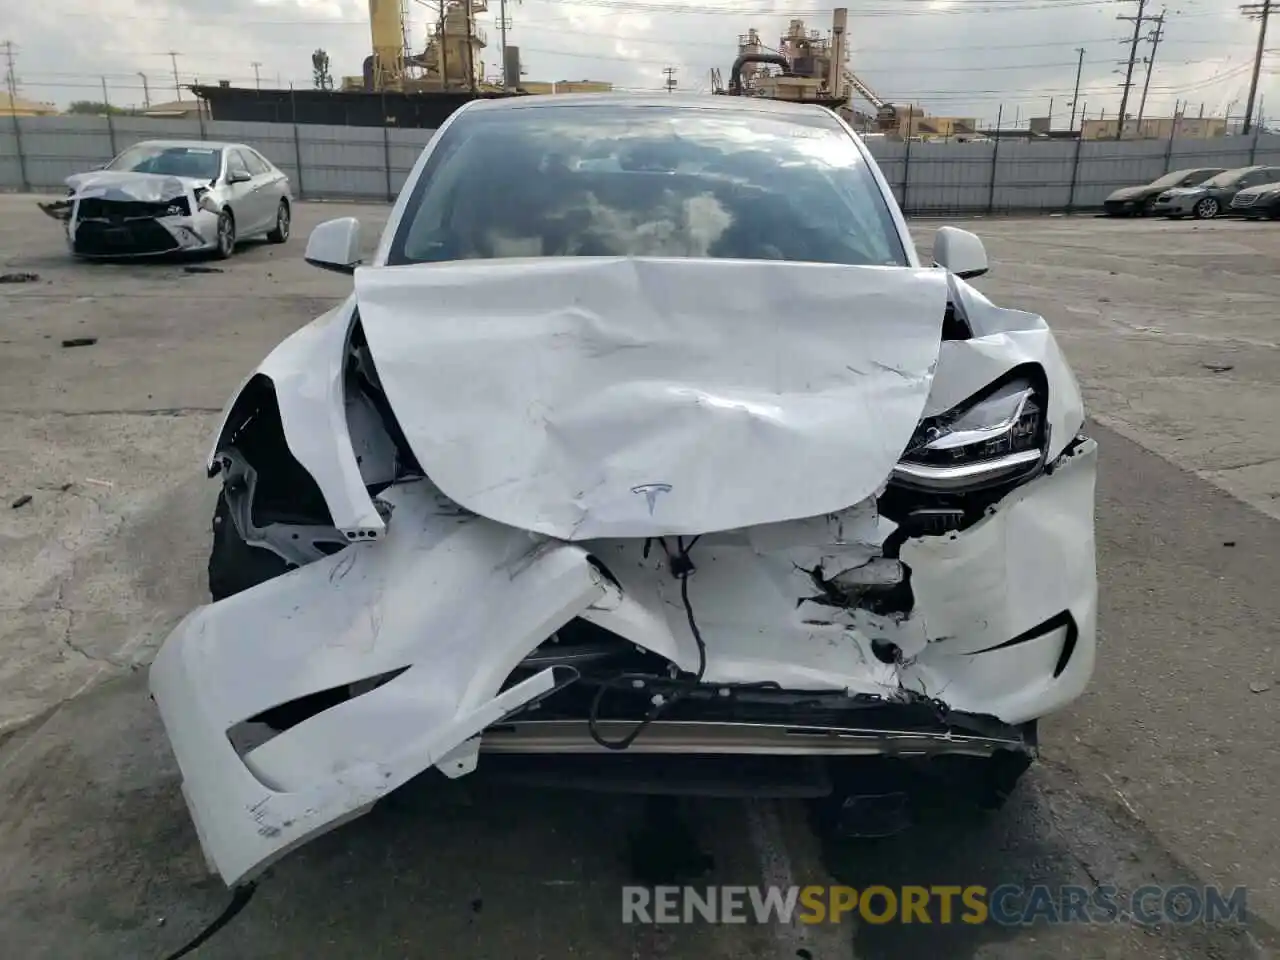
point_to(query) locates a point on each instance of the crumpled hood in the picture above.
(128, 185)
(1129, 193)
(620, 397)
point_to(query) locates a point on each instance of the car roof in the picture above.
(722, 104)
(192, 144)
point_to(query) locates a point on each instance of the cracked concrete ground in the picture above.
(1164, 772)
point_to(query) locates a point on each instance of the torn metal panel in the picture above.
(1031, 561)
(455, 603)
(663, 396)
(123, 185)
(58, 209)
(307, 371)
(409, 602)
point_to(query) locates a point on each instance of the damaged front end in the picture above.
(515, 573)
(120, 214)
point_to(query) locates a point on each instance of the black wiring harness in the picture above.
(681, 567)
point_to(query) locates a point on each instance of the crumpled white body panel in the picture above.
(306, 372)
(459, 600)
(630, 397)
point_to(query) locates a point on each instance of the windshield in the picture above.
(1225, 179)
(651, 181)
(201, 163)
(1176, 177)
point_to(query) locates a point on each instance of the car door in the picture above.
(275, 183)
(245, 195)
(240, 195)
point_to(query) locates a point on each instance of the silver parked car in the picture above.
(166, 196)
(1214, 196)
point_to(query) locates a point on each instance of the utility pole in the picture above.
(146, 91)
(670, 82)
(471, 51)
(444, 46)
(502, 30)
(11, 78)
(177, 87)
(1133, 56)
(1155, 36)
(1075, 97)
(11, 81)
(257, 77)
(1260, 11)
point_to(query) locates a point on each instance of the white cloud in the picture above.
(958, 57)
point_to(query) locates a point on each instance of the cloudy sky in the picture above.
(954, 57)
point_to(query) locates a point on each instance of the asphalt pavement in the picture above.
(1164, 773)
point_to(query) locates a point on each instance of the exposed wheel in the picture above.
(226, 235)
(234, 566)
(1146, 208)
(281, 233)
(1206, 209)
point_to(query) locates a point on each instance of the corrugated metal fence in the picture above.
(371, 163)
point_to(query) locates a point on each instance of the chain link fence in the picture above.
(371, 163)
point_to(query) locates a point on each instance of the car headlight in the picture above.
(999, 438)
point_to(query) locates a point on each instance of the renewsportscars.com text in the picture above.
(1006, 905)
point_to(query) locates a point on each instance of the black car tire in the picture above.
(226, 236)
(283, 223)
(235, 566)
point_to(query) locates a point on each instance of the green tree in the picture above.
(320, 70)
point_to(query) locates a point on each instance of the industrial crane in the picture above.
(886, 113)
(812, 68)
(386, 25)
(450, 60)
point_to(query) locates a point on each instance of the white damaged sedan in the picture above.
(645, 451)
(170, 196)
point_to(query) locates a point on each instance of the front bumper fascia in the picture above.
(1002, 633)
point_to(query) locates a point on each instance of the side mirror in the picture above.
(239, 176)
(960, 252)
(335, 245)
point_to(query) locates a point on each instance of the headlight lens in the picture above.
(997, 439)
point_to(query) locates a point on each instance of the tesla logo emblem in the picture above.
(651, 491)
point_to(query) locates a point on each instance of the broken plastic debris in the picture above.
(22, 501)
(1260, 686)
(99, 483)
(19, 277)
(80, 342)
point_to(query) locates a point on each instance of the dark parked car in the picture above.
(1213, 196)
(1137, 201)
(1257, 202)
